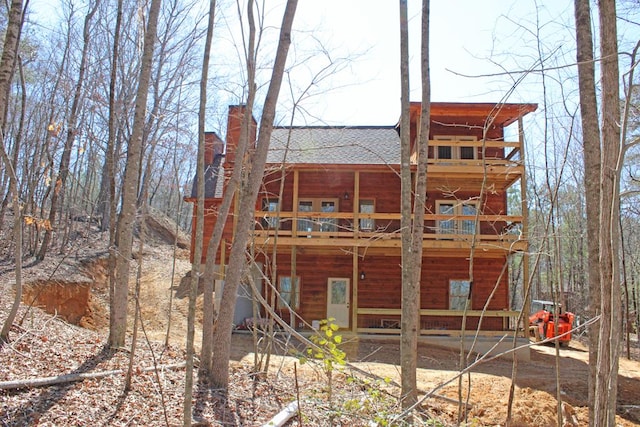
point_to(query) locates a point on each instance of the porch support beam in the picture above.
(354, 300)
(526, 307)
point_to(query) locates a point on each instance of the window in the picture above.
(328, 224)
(289, 295)
(452, 226)
(368, 207)
(468, 226)
(269, 205)
(467, 153)
(458, 294)
(455, 151)
(317, 205)
(445, 152)
(305, 224)
(446, 226)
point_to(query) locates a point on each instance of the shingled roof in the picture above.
(359, 145)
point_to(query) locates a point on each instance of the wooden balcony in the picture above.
(499, 167)
(497, 233)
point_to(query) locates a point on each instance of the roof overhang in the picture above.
(479, 113)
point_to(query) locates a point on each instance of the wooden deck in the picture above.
(506, 238)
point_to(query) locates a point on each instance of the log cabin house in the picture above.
(329, 210)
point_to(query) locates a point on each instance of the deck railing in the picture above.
(438, 322)
(386, 226)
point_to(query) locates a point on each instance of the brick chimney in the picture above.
(213, 145)
(234, 124)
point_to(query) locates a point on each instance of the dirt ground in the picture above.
(486, 389)
(535, 383)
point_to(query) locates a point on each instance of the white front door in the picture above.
(338, 301)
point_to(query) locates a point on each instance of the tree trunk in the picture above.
(248, 194)
(7, 66)
(606, 386)
(591, 144)
(409, 339)
(9, 57)
(106, 195)
(124, 238)
(197, 257)
(225, 207)
(412, 225)
(137, 313)
(17, 237)
(18, 139)
(108, 186)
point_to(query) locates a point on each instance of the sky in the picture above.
(478, 49)
(469, 39)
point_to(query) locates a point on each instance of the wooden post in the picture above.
(354, 291)
(356, 205)
(294, 248)
(526, 306)
(294, 225)
(356, 253)
(294, 296)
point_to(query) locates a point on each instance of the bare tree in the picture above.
(591, 144)
(7, 66)
(410, 304)
(197, 257)
(107, 195)
(228, 197)
(15, 148)
(173, 61)
(17, 237)
(106, 207)
(124, 237)
(72, 130)
(247, 198)
(606, 384)
(9, 56)
(413, 222)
